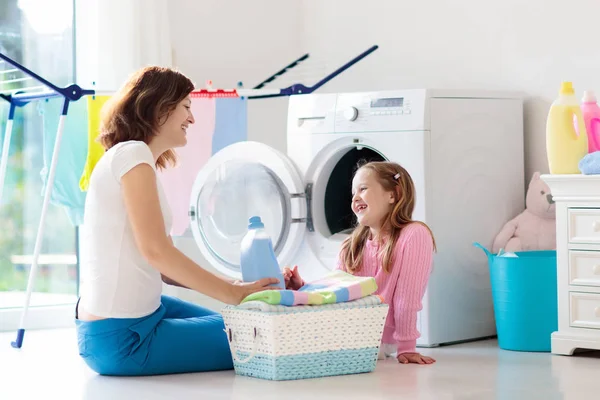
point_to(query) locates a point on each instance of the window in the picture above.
(39, 35)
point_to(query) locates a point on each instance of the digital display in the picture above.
(389, 102)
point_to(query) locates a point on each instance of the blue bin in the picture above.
(524, 292)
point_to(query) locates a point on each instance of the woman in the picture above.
(125, 326)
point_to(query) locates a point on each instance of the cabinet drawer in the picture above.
(584, 268)
(585, 310)
(584, 225)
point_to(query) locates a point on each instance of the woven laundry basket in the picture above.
(284, 343)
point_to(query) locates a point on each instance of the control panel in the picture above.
(397, 110)
(381, 111)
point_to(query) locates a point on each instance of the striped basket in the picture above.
(285, 343)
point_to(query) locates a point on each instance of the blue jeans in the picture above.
(178, 337)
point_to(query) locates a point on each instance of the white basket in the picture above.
(305, 341)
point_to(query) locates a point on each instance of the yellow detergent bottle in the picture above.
(566, 137)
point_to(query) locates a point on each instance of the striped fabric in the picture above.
(336, 287)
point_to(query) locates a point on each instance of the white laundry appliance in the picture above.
(463, 149)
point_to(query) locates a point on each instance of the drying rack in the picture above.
(46, 90)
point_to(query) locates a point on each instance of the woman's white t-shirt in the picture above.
(117, 281)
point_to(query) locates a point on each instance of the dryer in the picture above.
(463, 149)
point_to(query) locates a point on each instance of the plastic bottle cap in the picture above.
(567, 88)
(588, 97)
(255, 223)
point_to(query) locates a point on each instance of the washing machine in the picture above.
(463, 149)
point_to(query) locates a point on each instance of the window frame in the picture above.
(51, 315)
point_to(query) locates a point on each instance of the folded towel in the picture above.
(256, 305)
(590, 164)
(336, 287)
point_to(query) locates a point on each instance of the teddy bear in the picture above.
(534, 228)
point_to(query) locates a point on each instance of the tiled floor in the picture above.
(48, 367)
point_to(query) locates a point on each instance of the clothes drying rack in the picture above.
(23, 96)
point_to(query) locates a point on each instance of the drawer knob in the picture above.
(596, 226)
(597, 312)
(596, 269)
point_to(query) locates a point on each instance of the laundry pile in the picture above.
(335, 287)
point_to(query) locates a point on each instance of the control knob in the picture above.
(351, 113)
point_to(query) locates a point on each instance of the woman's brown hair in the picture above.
(141, 106)
(394, 179)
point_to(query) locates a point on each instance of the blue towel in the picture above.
(590, 164)
(71, 157)
(230, 122)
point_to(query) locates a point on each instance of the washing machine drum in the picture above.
(230, 196)
(338, 193)
(248, 179)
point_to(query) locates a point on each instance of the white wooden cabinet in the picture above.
(577, 200)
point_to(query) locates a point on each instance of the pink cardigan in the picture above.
(403, 288)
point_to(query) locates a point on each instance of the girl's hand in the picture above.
(414, 358)
(292, 278)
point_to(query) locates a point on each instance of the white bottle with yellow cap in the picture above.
(566, 137)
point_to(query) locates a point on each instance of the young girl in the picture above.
(388, 245)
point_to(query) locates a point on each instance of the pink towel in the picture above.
(178, 181)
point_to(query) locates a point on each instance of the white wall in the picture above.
(529, 46)
(116, 37)
(224, 41)
(232, 41)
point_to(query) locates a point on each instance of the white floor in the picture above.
(48, 366)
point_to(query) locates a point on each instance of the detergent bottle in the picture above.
(591, 116)
(566, 138)
(258, 259)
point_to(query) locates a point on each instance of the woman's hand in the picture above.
(414, 358)
(241, 290)
(292, 278)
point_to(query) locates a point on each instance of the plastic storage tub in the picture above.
(524, 293)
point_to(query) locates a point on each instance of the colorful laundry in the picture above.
(71, 156)
(219, 123)
(177, 181)
(336, 287)
(231, 122)
(368, 301)
(94, 149)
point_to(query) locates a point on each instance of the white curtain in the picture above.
(116, 37)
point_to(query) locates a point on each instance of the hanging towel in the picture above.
(94, 149)
(71, 157)
(177, 181)
(231, 122)
(336, 287)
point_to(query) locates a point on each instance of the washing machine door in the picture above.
(240, 181)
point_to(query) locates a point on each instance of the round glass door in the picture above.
(233, 187)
